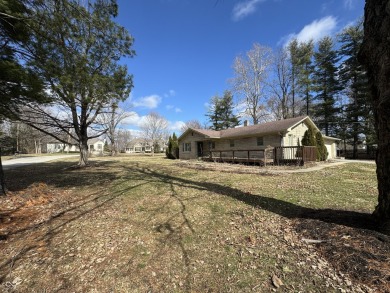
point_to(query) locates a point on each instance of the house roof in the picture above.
(264, 128)
(258, 129)
(330, 138)
(95, 140)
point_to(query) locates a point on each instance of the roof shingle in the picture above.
(258, 129)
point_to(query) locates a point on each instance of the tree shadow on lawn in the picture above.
(40, 235)
(283, 208)
(328, 224)
(351, 241)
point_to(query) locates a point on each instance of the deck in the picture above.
(297, 155)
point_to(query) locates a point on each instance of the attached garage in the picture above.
(331, 146)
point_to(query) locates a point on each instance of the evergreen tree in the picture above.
(301, 71)
(175, 146)
(221, 112)
(76, 49)
(172, 151)
(293, 48)
(308, 138)
(305, 73)
(322, 152)
(18, 84)
(326, 86)
(358, 110)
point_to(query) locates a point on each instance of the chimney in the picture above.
(245, 122)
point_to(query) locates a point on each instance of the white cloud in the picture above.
(315, 31)
(134, 119)
(243, 9)
(171, 107)
(170, 93)
(149, 102)
(176, 126)
(349, 4)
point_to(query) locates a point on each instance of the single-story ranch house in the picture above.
(195, 143)
(95, 146)
(138, 146)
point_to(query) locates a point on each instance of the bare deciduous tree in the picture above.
(123, 138)
(279, 102)
(111, 120)
(154, 129)
(195, 124)
(250, 80)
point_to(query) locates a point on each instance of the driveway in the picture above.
(24, 161)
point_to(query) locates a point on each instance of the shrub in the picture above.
(322, 152)
(172, 151)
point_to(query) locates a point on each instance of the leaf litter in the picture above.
(155, 227)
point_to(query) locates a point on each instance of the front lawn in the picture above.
(148, 224)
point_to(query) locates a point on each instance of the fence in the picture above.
(360, 154)
(296, 155)
(260, 157)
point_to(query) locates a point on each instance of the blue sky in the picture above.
(185, 48)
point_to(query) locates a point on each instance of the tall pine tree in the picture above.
(18, 84)
(301, 54)
(354, 78)
(306, 51)
(293, 48)
(326, 85)
(221, 113)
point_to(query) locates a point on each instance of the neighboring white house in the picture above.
(138, 146)
(95, 146)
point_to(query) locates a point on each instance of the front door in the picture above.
(200, 148)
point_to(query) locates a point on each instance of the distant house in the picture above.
(195, 143)
(95, 146)
(138, 146)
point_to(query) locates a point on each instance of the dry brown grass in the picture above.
(143, 224)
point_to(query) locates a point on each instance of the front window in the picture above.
(186, 147)
(212, 145)
(260, 141)
(231, 143)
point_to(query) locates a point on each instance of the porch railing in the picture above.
(296, 155)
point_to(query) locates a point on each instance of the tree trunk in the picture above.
(2, 180)
(83, 161)
(375, 54)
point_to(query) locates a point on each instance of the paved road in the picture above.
(24, 161)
